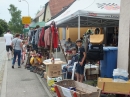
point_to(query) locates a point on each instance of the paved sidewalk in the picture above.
(21, 83)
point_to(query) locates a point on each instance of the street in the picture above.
(17, 82)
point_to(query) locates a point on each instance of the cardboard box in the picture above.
(108, 86)
(45, 75)
(82, 90)
(93, 71)
(92, 77)
(53, 70)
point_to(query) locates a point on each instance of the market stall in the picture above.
(94, 13)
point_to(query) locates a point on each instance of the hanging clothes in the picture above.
(47, 37)
(37, 35)
(33, 36)
(33, 40)
(41, 39)
(30, 35)
(54, 36)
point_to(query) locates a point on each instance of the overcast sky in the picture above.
(34, 6)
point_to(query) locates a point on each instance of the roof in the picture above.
(57, 5)
(92, 13)
(65, 8)
(39, 14)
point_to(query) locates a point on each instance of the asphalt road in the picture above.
(18, 82)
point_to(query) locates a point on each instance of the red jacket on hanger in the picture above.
(41, 42)
(54, 37)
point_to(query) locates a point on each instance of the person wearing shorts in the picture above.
(8, 40)
(81, 61)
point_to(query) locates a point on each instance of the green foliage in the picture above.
(15, 23)
(3, 26)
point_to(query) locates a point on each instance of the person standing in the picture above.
(17, 46)
(81, 60)
(8, 40)
(68, 44)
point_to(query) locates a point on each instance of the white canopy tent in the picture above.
(90, 13)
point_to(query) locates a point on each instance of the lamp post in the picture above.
(27, 3)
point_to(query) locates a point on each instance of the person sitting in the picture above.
(74, 59)
(68, 45)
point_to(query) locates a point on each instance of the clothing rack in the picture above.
(62, 48)
(53, 23)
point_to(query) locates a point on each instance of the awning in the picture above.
(41, 24)
(33, 24)
(25, 30)
(91, 12)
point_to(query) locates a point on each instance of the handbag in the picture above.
(97, 38)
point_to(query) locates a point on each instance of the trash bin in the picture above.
(109, 62)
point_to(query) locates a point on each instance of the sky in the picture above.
(34, 6)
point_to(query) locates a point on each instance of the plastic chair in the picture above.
(66, 65)
(73, 70)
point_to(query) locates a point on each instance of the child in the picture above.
(74, 59)
(81, 60)
(23, 51)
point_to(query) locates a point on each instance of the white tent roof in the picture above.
(92, 12)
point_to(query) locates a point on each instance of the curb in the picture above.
(3, 87)
(47, 91)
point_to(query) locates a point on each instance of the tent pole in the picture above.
(78, 27)
(56, 52)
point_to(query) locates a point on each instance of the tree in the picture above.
(15, 23)
(3, 26)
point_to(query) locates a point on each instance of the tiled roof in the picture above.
(61, 11)
(57, 5)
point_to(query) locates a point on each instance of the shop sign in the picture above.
(26, 20)
(26, 26)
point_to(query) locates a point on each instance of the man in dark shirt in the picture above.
(81, 61)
